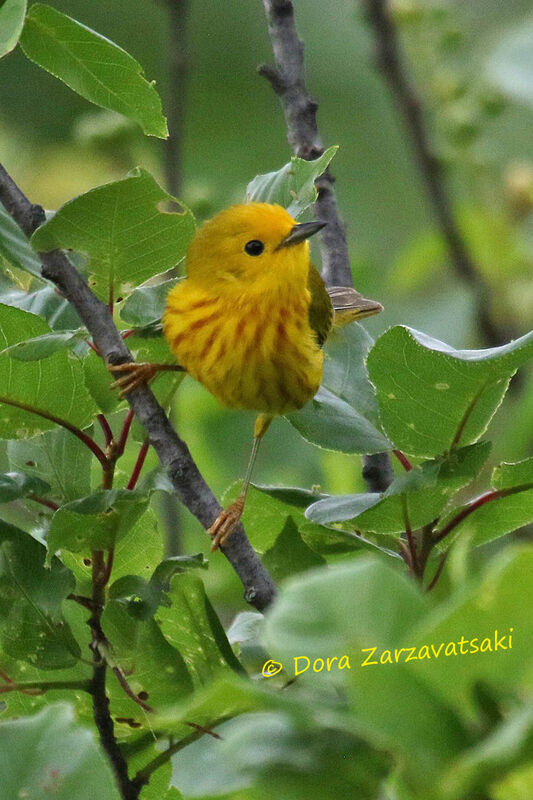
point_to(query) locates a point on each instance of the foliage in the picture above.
(380, 687)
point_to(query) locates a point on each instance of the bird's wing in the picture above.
(321, 308)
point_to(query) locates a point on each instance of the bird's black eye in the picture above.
(254, 247)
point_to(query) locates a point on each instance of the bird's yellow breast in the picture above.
(248, 350)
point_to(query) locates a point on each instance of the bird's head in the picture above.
(247, 242)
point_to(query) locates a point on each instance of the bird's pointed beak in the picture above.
(300, 232)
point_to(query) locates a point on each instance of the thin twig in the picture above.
(404, 461)
(390, 63)
(438, 571)
(123, 438)
(287, 79)
(138, 465)
(40, 687)
(172, 451)
(44, 501)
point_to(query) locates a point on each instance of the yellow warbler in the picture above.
(250, 319)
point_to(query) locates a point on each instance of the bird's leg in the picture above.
(135, 373)
(228, 519)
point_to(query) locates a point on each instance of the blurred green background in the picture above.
(468, 61)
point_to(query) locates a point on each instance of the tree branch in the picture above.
(177, 68)
(172, 451)
(389, 61)
(287, 79)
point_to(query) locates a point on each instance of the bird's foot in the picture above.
(225, 523)
(134, 374)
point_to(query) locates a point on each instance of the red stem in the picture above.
(485, 498)
(108, 433)
(438, 572)
(44, 501)
(402, 458)
(91, 444)
(93, 347)
(127, 333)
(138, 465)
(124, 432)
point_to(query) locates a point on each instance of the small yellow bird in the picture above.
(250, 319)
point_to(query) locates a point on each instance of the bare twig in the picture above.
(390, 63)
(172, 451)
(287, 78)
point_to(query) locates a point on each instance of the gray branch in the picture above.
(287, 78)
(173, 453)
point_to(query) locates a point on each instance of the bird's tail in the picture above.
(350, 306)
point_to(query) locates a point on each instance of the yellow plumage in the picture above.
(249, 320)
(239, 324)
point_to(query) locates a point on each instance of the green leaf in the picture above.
(32, 627)
(137, 554)
(44, 346)
(92, 66)
(269, 509)
(58, 458)
(421, 494)
(95, 522)
(432, 397)
(119, 226)
(45, 302)
(289, 554)
(153, 667)
(17, 484)
(12, 13)
(292, 186)
(333, 424)
(343, 415)
(146, 304)
(54, 385)
(15, 247)
(507, 475)
(98, 380)
(356, 607)
(500, 515)
(52, 754)
(500, 602)
(192, 627)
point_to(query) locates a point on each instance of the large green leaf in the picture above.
(120, 227)
(292, 186)
(32, 627)
(432, 397)
(14, 245)
(418, 496)
(54, 385)
(58, 458)
(154, 668)
(358, 609)
(494, 617)
(12, 13)
(52, 755)
(46, 345)
(95, 522)
(191, 625)
(343, 415)
(92, 66)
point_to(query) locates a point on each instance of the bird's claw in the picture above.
(225, 524)
(135, 373)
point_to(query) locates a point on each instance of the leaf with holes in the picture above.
(123, 232)
(432, 397)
